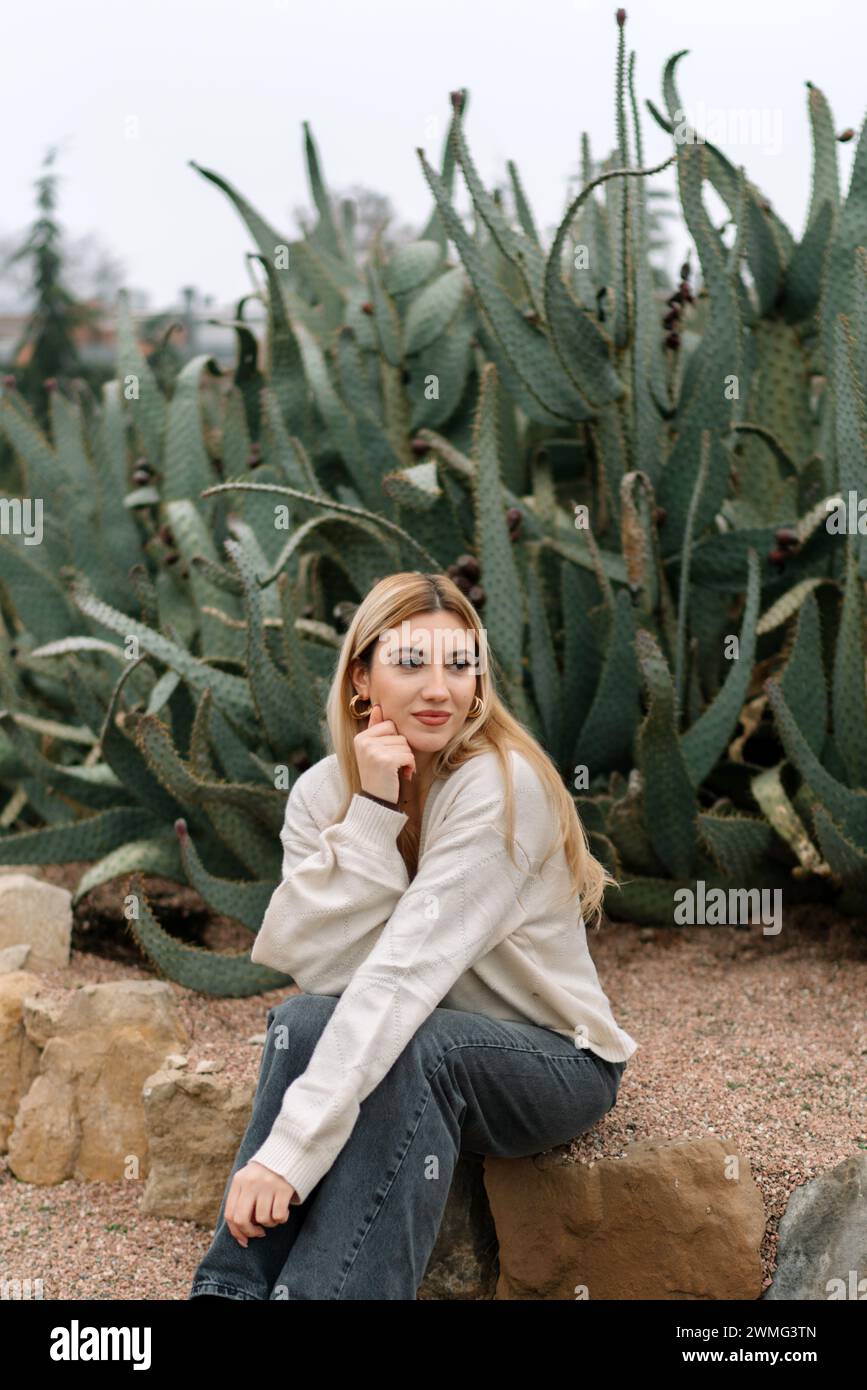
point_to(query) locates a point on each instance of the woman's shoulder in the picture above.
(484, 772)
(318, 788)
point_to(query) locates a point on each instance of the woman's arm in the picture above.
(339, 886)
(464, 900)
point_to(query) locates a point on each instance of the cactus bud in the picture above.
(672, 340)
(777, 557)
(140, 477)
(469, 566)
(514, 516)
(457, 100)
(659, 515)
(671, 318)
(685, 271)
(784, 536)
(620, 16)
(50, 383)
(9, 380)
(532, 317)
(181, 828)
(685, 291)
(476, 595)
(367, 307)
(419, 447)
(845, 135)
(172, 558)
(165, 534)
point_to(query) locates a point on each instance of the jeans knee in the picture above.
(303, 1012)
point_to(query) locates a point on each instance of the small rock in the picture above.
(207, 1065)
(175, 1061)
(14, 957)
(39, 915)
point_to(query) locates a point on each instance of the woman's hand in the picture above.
(381, 752)
(257, 1195)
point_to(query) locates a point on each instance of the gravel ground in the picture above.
(757, 1040)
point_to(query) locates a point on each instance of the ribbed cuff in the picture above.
(300, 1165)
(378, 826)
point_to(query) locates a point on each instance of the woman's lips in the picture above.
(432, 718)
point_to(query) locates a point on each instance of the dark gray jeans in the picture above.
(464, 1082)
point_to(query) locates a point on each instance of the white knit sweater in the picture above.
(472, 931)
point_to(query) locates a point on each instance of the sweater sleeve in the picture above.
(339, 887)
(464, 900)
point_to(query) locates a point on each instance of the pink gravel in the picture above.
(756, 1040)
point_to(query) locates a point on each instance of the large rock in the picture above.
(822, 1245)
(83, 1116)
(195, 1123)
(38, 914)
(19, 1055)
(667, 1221)
(463, 1263)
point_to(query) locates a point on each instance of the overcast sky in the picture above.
(132, 92)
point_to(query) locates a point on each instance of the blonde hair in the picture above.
(404, 596)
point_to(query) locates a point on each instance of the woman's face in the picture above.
(427, 664)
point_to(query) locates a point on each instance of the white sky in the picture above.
(228, 83)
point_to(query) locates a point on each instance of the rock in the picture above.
(259, 1039)
(83, 1116)
(463, 1263)
(37, 914)
(31, 870)
(175, 1061)
(209, 1065)
(19, 1057)
(195, 1124)
(664, 1222)
(822, 1245)
(14, 957)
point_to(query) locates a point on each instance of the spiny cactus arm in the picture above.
(851, 423)
(82, 839)
(838, 286)
(209, 972)
(157, 854)
(737, 844)
(670, 806)
(848, 699)
(39, 598)
(525, 255)
(326, 231)
(805, 270)
(825, 183)
(522, 207)
(622, 205)
(243, 902)
(704, 742)
(230, 691)
(544, 672)
(505, 601)
(240, 815)
(848, 807)
(287, 383)
(513, 383)
(582, 657)
(118, 531)
(186, 466)
(305, 689)
(582, 346)
(528, 350)
(447, 361)
(93, 786)
(607, 735)
(269, 687)
(122, 754)
(764, 254)
(267, 239)
(435, 231)
(686, 560)
(338, 507)
(846, 860)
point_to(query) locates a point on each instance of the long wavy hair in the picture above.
(401, 597)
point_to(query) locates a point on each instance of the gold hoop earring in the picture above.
(476, 700)
(353, 707)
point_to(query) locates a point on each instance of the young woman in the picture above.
(436, 879)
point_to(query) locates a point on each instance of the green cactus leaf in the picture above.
(82, 839)
(410, 266)
(669, 801)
